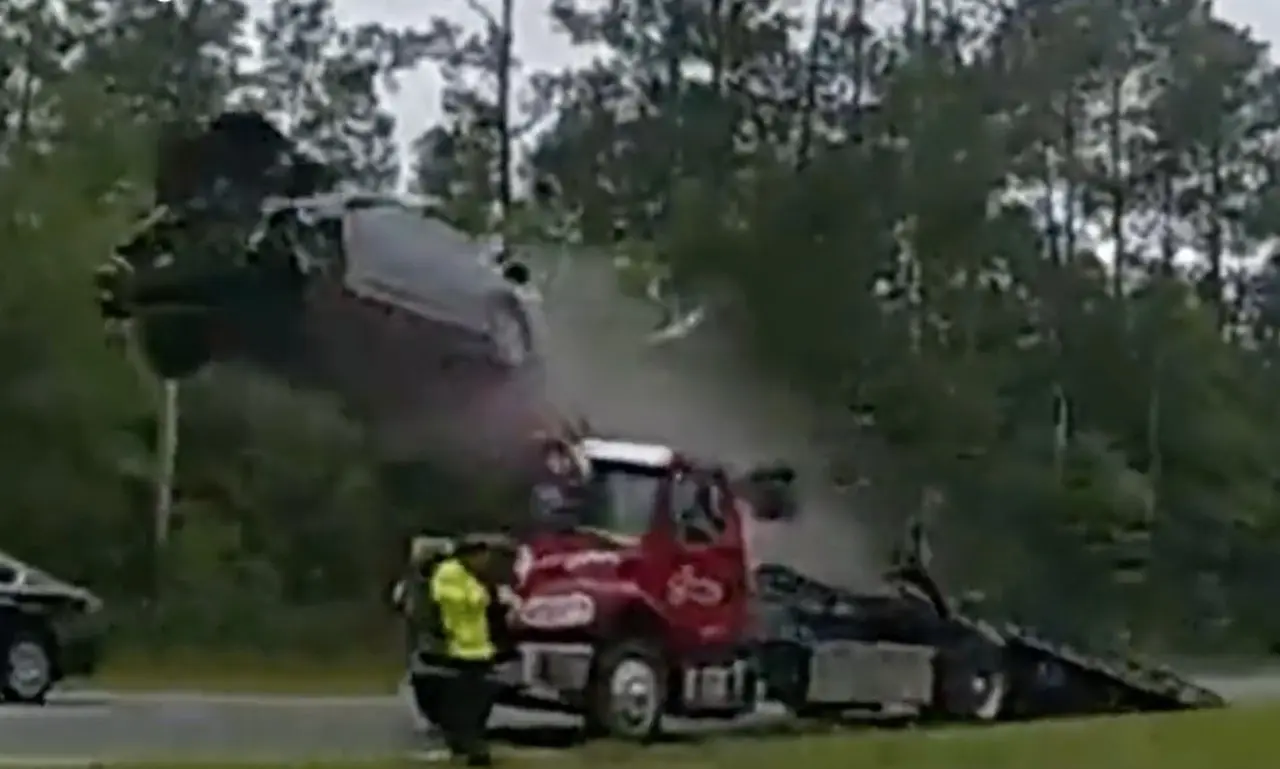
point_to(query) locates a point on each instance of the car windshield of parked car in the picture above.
(14, 571)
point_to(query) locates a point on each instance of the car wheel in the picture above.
(176, 343)
(507, 329)
(28, 668)
(627, 695)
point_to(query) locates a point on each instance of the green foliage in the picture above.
(1008, 251)
(933, 258)
(319, 80)
(278, 504)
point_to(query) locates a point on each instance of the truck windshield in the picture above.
(620, 498)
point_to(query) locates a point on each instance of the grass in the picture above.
(1245, 738)
(366, 673)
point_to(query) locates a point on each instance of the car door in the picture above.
(706, 592)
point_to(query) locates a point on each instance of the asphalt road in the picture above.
(99, 727)
(77, 728)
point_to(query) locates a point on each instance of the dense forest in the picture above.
(1018, 254)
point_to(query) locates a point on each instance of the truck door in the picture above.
(706, 593)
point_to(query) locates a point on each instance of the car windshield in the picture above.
(620, 498)
(13, 570)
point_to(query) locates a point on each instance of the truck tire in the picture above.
(28, 667)
(627, 692)
(970, 680)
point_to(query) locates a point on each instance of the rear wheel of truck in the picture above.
(970, 681)
(627, 693)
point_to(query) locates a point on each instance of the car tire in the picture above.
(627, 693)
(971, 680)
(28, 667)
(508, 334)
(176, 343)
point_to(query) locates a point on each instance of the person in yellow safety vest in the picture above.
(423, 635)
(463, 598)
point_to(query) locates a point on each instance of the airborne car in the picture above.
(642, 604)
(254, 254)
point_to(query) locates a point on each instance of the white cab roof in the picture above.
(626, 452)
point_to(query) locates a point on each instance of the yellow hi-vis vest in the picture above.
(463, 603)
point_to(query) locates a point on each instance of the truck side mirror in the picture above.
(771, 492)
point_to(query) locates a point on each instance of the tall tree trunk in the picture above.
(676, 42)
(26, 96)
(809, 104)
(1215, 242)
(1167, 168)
(859, 30)
(1119, 203)
(506, 41)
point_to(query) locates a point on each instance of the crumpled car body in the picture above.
(423, 331)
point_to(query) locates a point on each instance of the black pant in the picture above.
(458, 697)
(426, 696)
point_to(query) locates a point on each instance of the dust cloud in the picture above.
(699, 395)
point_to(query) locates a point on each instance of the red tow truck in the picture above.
(642, 603)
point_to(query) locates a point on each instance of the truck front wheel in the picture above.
(627, 692)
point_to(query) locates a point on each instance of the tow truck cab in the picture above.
(636, 601)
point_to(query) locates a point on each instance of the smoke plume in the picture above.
(699, 395)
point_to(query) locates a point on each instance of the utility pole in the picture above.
(500, 31)
(167, 460)
(506, 43)
(179, 103)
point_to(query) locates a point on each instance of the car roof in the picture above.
(652, 455)
(22, 576)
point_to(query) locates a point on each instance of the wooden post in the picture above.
(166, 460)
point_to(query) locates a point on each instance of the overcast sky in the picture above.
(539, 47)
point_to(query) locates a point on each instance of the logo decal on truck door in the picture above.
(526, 563)
(687, 587)
(548, 612)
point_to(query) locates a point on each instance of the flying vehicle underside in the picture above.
(426, 335)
